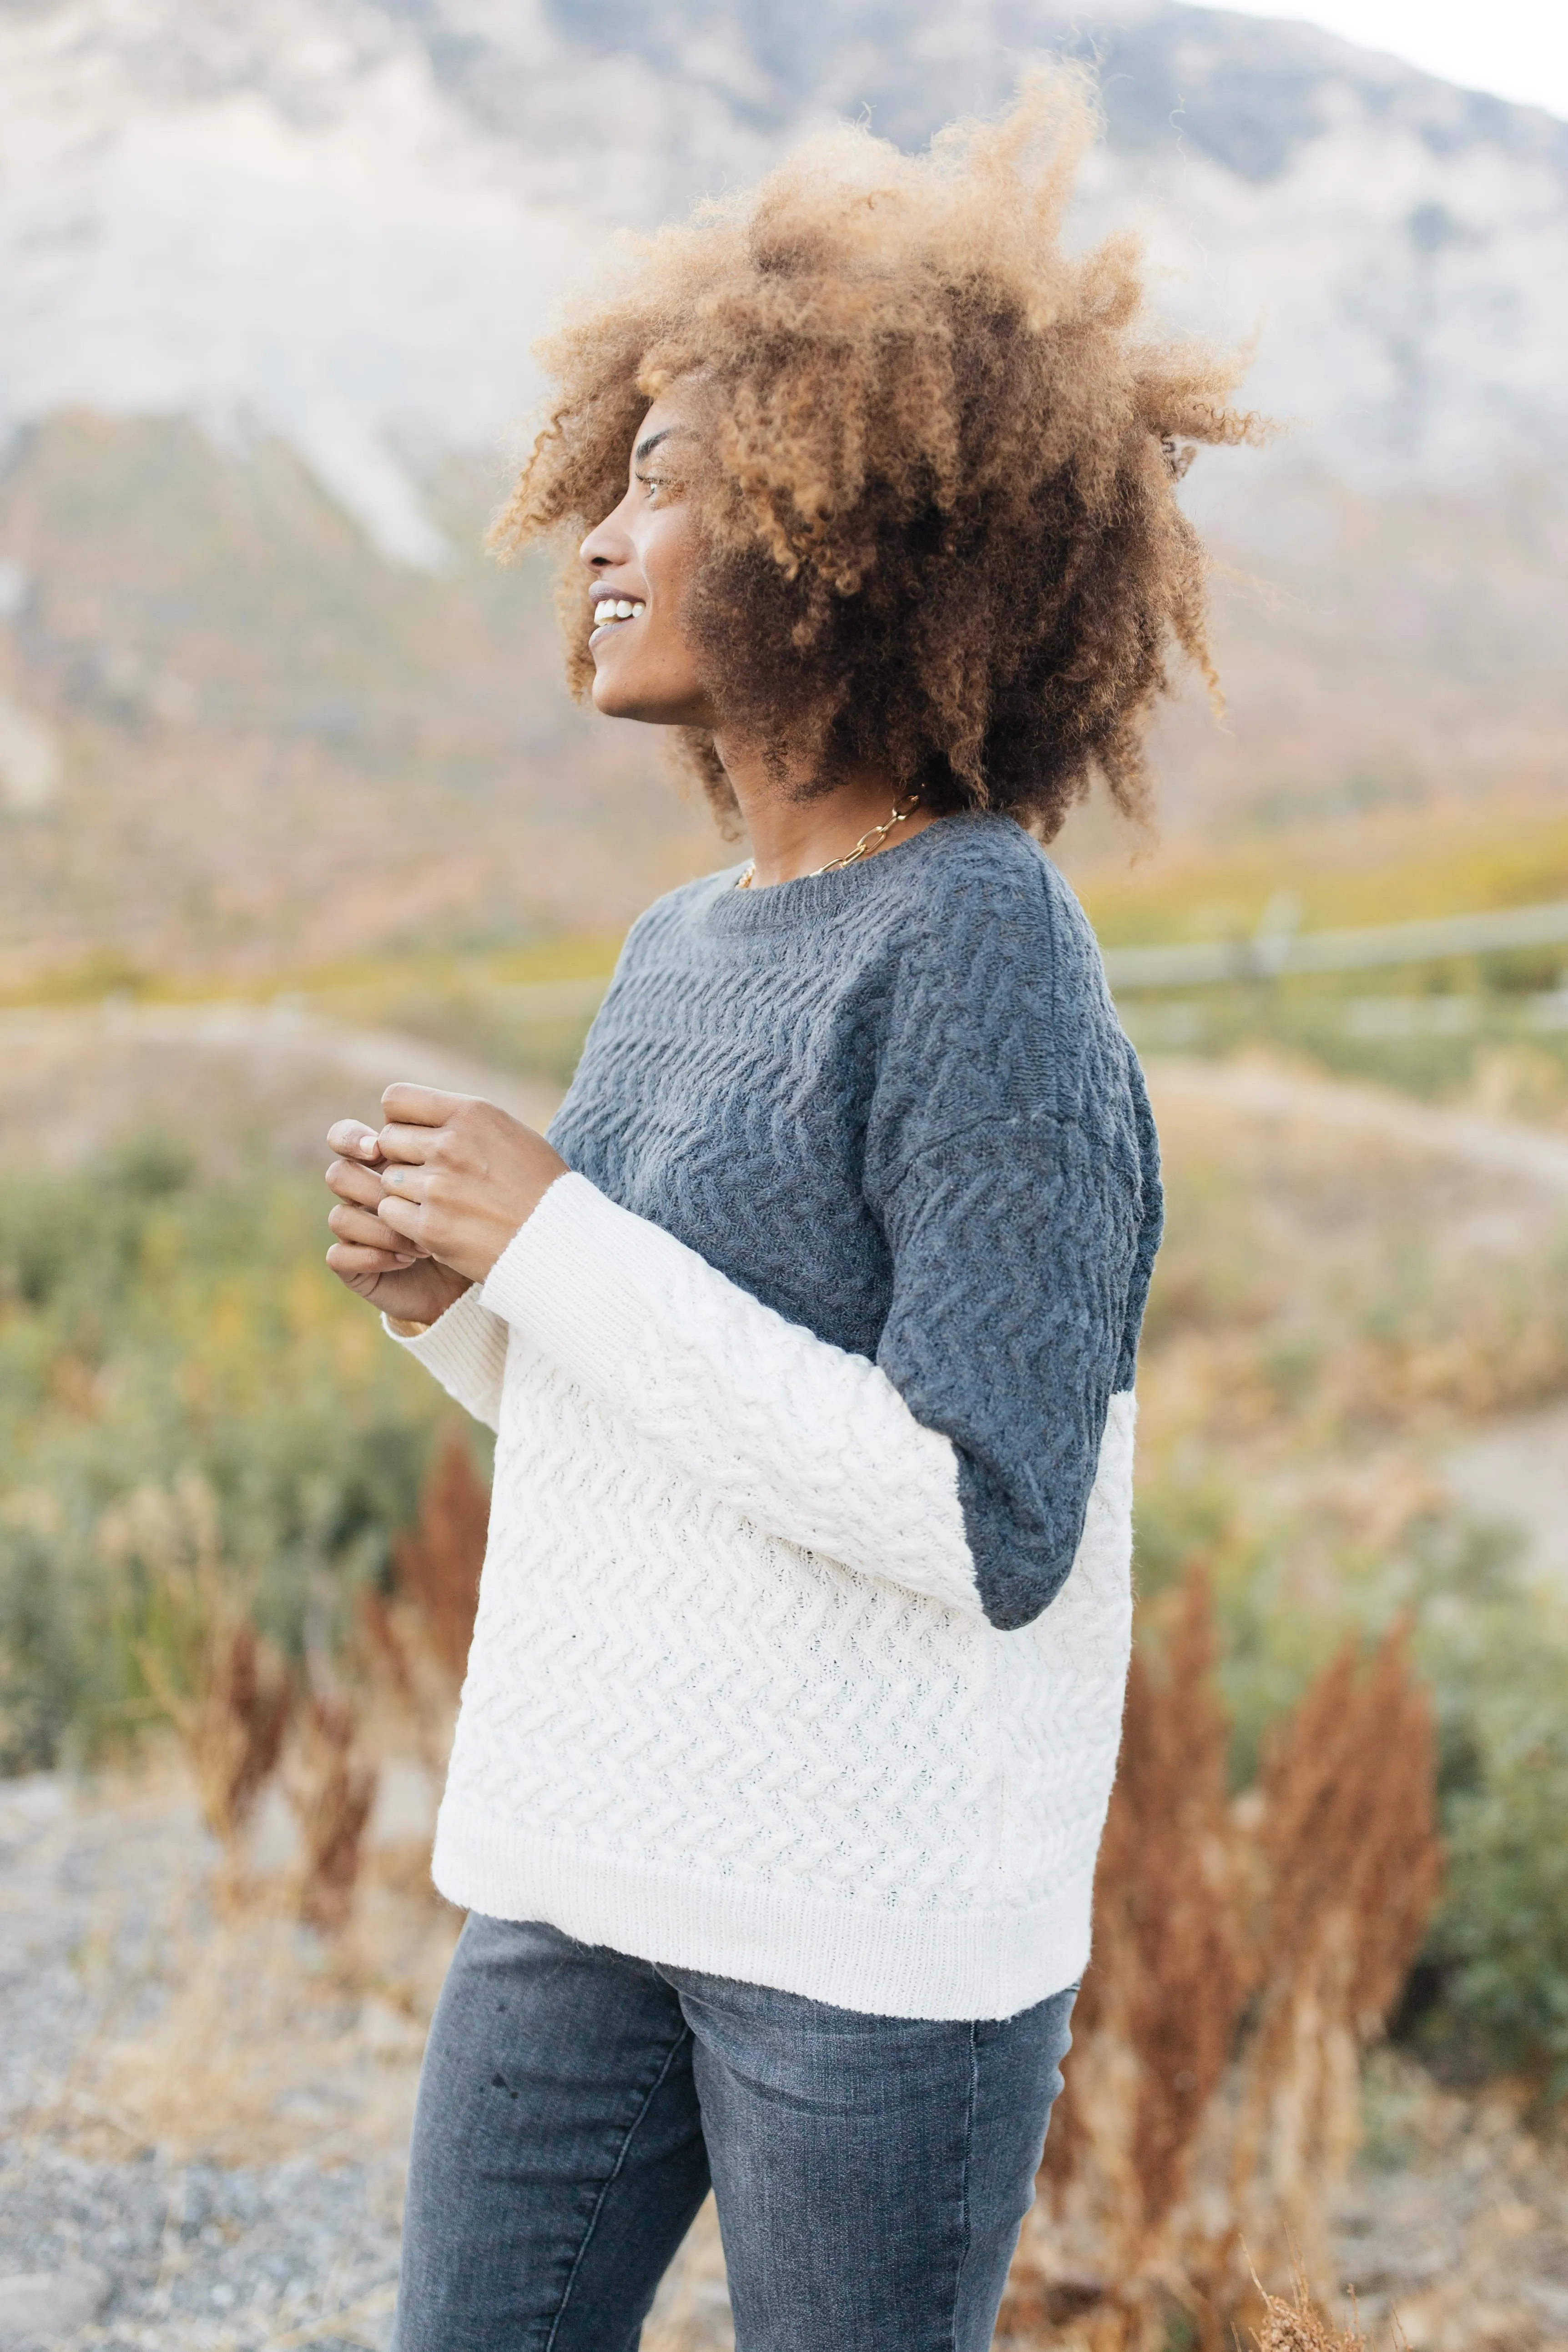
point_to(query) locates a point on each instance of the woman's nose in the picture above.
(605, 544)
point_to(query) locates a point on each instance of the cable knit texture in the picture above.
(804, 1630)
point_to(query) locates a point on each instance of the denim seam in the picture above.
(964, 2251)
(610, 2180)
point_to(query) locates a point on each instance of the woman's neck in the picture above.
(790, 835)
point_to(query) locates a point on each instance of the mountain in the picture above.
(273, 745)
(282, 261)
(345, 222)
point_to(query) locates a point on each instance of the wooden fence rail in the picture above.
(1268, 954)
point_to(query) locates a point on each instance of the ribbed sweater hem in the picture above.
(882, 1960)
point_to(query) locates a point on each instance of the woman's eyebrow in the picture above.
(646, 448)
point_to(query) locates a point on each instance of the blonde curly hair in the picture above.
(940, 504)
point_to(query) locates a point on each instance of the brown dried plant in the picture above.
(438, 1564)
(1350, 1862)
(231, 1730)
(387, 1646)
(233, 1708)
(435, 1566)
(414, 1643)
(1155, 2022)
(1297, 2326)
(1305, 1903)
(330, 1792)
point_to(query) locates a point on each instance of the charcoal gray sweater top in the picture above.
(803, 1628)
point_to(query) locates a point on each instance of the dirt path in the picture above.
(1515, 1153)
(243, 1080)
(1513, 1472)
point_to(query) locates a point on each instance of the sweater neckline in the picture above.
(812, 897)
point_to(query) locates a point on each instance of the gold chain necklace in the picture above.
(863, 848)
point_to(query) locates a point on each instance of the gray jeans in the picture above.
(871, 2172)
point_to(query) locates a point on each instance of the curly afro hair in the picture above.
(940, 504)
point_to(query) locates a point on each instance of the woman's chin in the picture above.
(627, 697)
(612, 700)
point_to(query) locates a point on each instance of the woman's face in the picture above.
(640, 560)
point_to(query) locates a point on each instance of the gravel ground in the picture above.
(154, 2254)
(122, 2241)
(203, 2122)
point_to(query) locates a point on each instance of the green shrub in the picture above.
(178, 1369)
(1498, 1954)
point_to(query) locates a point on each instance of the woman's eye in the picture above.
(652, 483)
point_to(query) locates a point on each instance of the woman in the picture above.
(809, 1333)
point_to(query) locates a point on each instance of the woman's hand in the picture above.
(452, 1179)
(403, 1283)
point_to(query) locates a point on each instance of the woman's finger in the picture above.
(352, 1257)
(352, 1183)
(398, 1182)
(352, 1137)
(409, 1145)
(362, 1227)
(421, 1105)
(403, 1217)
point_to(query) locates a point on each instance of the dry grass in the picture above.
(415, 1644)
(231, 1722)
(1156, 2021)
(232, 1719)
(1318, 1288)
(1349, 1863)
(231, 1730)
(1297, 2326)
(239, 2039)
(1335, 1308)
(330, 1792)
(1392, 866)
(437, 1563)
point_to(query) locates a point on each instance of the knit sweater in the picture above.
(802, 1631)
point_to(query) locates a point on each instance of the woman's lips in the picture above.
(612, 613)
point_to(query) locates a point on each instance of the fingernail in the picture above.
(405, 1261)
(370, 1145)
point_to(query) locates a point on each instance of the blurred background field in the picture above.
(291, 803)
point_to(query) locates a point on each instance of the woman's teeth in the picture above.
(617, 608)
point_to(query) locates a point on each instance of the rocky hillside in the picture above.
(345, 220)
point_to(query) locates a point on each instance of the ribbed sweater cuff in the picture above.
(464, 1349)
(570, 1277)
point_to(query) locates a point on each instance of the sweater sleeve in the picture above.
(811, 1442)
(464, 1349)
(1019, 1252)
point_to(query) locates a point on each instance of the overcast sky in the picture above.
(1517, 48)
